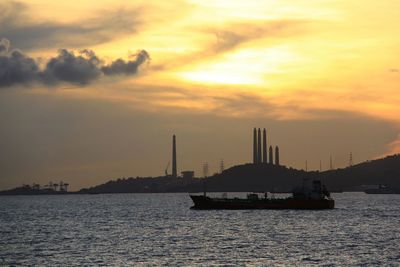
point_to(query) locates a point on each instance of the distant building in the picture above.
(187, 174)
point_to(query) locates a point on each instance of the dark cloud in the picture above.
(81, 68)
(15, 66)
(28, 33)
(68, 67)
(120, 66)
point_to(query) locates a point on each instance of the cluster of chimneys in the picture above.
(260, 156)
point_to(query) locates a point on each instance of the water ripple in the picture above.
(160, 229)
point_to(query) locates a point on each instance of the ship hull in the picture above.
(207, 203)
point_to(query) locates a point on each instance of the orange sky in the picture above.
(282, 61)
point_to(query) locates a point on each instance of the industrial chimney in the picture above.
(174, 171)
(255, 146)
(259, 146)
(271, 156)
(277, 156)
(264, 160)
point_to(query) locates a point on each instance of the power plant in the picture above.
(260, 155)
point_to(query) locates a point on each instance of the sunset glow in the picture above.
(273, 61)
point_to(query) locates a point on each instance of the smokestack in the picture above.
(174, 171)
(259, 146)
(277, 156)
(254, 145)
(271, 156)
(264, 160)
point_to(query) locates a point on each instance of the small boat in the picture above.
(383, 189)
(310, 196)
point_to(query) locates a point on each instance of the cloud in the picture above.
(15, 66)
(4, 46)
(81, 68)
(232, 35)
(226, 38)
(120, 66)
(28, 33)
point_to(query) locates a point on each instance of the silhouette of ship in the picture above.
(309, 196)
(383, 189)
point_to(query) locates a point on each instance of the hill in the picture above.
(262, 177)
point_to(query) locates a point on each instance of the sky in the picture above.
(94, 91)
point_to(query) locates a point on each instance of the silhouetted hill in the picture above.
(253, 177)
(262, 177)
(380, 171)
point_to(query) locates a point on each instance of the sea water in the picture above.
(160, 229)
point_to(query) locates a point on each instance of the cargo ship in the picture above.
(311, 195)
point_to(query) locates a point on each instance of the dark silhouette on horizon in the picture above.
(174, 168)
(263, 177)
(256, 176)
(260, 177)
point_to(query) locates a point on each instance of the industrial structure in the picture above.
(264, 160)
(187, 174)
(277, 156)
(255, 155)
(174, 170)
(260, 148)
(271, 155)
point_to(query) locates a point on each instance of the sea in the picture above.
(162, 230)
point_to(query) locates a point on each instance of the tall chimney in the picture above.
(277, 156)
(254, 145)
(271, 156)
(264, 160)
(174, 172)
(259, 157)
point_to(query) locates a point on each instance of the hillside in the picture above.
(262, 177)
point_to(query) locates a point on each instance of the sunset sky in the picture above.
(94, 91)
